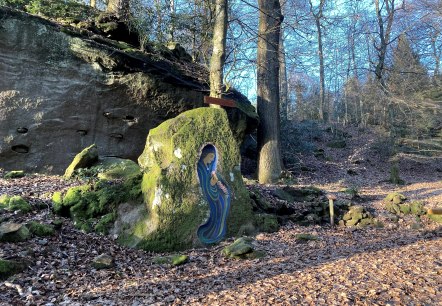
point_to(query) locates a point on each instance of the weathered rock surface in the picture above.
(13, 232)
(103, 261)
(174, 205)
(63, 89)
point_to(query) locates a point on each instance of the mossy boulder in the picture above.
(14, 203)
(13, 232)
(395, 198)
(417, 208)
(10, 267)
(14, 174)
(393, 202)
(357, 216)
(240, 246)
(174, 205)
(86, 158)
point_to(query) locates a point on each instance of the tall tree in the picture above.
(219, 49)
(283, 83)
(385, 11)
(318, 16)
(270, 163)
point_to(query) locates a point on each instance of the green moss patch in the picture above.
(41, 230)
(173, 260)
(10, 267)
(93, 206)
(105, 223)
(119, 169)
(14, 203)
(14, 174)
(435, 218)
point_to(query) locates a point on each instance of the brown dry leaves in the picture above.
(395, 265)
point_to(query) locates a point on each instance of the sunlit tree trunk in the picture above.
(219, 49)
(93, 3)
(270, 162)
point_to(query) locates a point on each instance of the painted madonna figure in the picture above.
(217, 194)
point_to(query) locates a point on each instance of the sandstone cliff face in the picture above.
(63, 89)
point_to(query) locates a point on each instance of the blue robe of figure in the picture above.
(217, 194)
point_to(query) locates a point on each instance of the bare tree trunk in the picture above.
(93, 3)
(283, 84)
(384, 37)
(270, 162)
(219, 49)
(318, 16)
(299, 101)
(436, 53)
(119, 8)
(171, 29)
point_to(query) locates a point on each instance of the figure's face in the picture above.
(210, 157)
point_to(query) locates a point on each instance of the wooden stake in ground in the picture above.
(435, 211)
(331, 198)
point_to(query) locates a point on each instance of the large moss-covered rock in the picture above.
(174, 205)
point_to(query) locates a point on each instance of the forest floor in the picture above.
(399, 264)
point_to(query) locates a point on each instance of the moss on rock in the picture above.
(13, 232)
(14, 174)
(175, 206)
(105, 223)
(174, 260)
(10, 267)
(239, 247)
(41, 230)
(86, 158)
(119, 169)
(14, 203)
